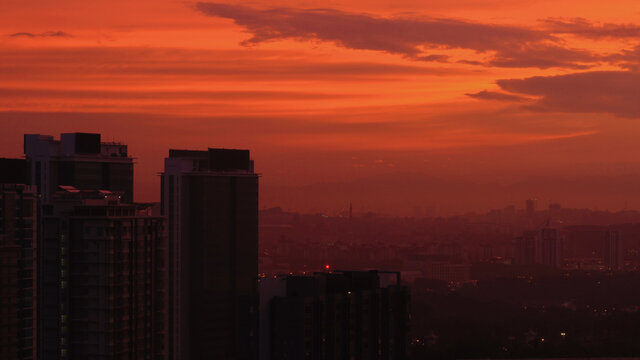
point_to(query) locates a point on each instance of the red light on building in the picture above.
(327, 267)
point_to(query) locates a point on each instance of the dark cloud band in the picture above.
(414, 38)
(612, 92)
(51, 34)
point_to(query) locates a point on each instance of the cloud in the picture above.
(41, 35)
(361, 31)
(113, 64)
(48, 93)
(492, 95)
(614, 92)
(413, 38)
(586, 29)
(627, 59)
(544, 56)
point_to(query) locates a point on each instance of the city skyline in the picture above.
(205, 274)
(493, 92)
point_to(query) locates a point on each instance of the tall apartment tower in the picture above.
(9, 316)
(80, 160)
(551, 247)
(613, 250)
(539, 247)
(102, 284)
(18, 227)
(210, 199)
(528, 249)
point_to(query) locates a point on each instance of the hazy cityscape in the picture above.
(204, 274)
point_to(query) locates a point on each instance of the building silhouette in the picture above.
(80, 160)
(18, 248)
(100, 270)
(210, 199)
(9, 292)
(539, 247)
(594, 246)
(551, 247)
(613, 251)
(530, 208)
(447, 271)
(528, 249)
(102, 282)
(334, 315)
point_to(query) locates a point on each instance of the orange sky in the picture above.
(497, 90)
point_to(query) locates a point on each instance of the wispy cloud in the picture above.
(85, 94)
(493, 95)
(161, 64)
(627, 59)
(613, 92)
(587, 29)
(51, 34)
(415, 38)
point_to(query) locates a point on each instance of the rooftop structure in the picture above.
(81, 160)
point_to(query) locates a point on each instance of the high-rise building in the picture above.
(528, 249)
(539, 247)
(18, 226)
(613, 250)
(80, 160)
(9, 320)
(551, 247)
(102, 285)
(334, 315)
(210, 199)
(12, 171)
(542, 247)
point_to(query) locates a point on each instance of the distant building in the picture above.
(613, 255)
(539, 247)
(18, 226)
(585, 243)
(80, 160)
(102, 283)
(485, 252)
(555, 207)
(530, 207)
(449, 272)
(528, 249)
(336, 315)
(597, 247)
(551, 247)
(210, 199)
